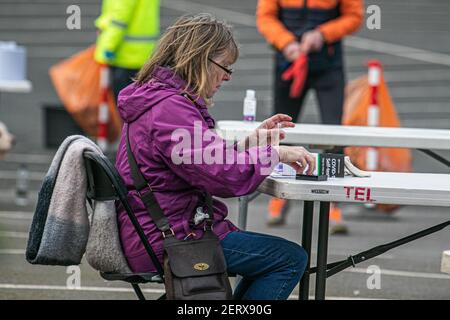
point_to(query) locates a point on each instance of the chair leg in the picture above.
(138, 291)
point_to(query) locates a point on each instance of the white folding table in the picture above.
(382, 187)
(336, 135)
(389, 188)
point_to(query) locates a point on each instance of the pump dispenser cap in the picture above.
(250, 94)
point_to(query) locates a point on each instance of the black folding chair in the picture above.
(105, 183)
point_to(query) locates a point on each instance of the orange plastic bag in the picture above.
(77, 82)
(356, 104)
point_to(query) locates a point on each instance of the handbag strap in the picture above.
(145, 192)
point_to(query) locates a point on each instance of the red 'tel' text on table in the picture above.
(358, 194)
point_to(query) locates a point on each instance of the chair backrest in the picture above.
(105, 183)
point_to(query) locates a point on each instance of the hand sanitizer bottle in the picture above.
(250, 106)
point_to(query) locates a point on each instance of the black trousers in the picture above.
(328, 86)
(121, 77)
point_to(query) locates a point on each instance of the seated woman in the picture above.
(169, 98)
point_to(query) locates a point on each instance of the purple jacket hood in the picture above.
(134, 100)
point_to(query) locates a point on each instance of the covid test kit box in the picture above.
(329, 164)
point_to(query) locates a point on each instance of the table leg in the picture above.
(308, 208)
(243, 209)
(242, 221)
(322, 250)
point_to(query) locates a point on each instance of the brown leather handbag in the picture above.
(194, 269)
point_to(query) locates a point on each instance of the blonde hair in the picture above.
(186, 47)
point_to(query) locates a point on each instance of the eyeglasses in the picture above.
(229, 71)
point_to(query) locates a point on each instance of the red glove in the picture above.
(297, 72)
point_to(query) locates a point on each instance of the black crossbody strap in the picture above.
(147, 196)
(208, 201)
(138, 179)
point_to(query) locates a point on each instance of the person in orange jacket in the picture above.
(314, 28)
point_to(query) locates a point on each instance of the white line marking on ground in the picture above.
(12, 175)
(128, 290)
(351, 41)
(28, 158)
(400, 273)
(13, 234)
(20, 215)
(398, 50)
(387, 272)
(228, 15)
(12, 251)
(82, 288)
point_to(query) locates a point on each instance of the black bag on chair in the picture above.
(193, 269)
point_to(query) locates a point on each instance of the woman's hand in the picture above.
(268, 132)
(297, 157)
(283, 120)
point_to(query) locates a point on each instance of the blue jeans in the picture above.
(270, 266)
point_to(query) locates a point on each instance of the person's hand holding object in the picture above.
(298, 158)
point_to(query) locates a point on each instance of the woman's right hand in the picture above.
(297, 157)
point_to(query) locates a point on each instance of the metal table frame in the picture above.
(322, 243)
(322, 247)
(419, 139)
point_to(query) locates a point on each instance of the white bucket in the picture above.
(12, 62)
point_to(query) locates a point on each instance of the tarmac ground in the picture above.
(415, 50)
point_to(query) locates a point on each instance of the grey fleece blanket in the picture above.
(62, 229)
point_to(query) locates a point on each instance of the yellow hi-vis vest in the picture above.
(129, 30)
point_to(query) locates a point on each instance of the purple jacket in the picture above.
(154, 111)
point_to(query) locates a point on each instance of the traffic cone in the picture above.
(277, 211)
(337, 226)
(368, 103)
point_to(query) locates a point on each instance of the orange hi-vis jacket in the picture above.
(351, 14)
